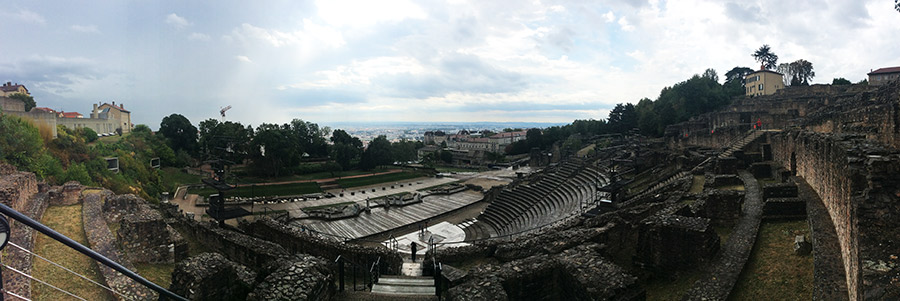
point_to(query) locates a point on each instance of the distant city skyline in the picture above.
(332, 61)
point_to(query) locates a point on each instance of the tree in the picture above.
(802, 72)
(89, 134)
(710, 73)
(226, 140)
(273, 151)
(766, 57)
(378, 153)
(623, 118)
(736, 75)
(840, 81)
(180, 132)
(27, 99)
(787, 71)
(534, 138)
(345, 149)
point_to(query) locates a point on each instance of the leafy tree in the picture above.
(27, 99)
(623, 118)
(378, 153)
(840, 81)
(310, 137)
(787, 71)
(802, 72)
(534, 138)
(736, 75)
(405, 150)
(446, 156)
(345, 149)
(89, 134)
(864, 82)
(710, 73)
(181, 134)
(273, 150)
(766, 57)
(226, 140)
(517, 148)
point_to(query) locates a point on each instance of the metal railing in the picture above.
(27, 221)
(371, 274)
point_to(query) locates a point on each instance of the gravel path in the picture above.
(725, 270)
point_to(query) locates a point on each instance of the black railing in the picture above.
(25, 220)
(369, 274)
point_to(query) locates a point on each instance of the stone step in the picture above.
(407, 281)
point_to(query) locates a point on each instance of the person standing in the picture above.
(413, 246)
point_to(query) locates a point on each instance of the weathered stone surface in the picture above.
(761, 170)
(779, 190)
(299, 278)
(210, 276)
(802, 247)
(784, 208)
(669, 241)
(67, 194)
(19, 190)
(722, 207)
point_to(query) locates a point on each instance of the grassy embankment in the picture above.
(773, 271)
(392, 177)
(68, 221)
(265, 190)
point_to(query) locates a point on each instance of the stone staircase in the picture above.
(410, 284)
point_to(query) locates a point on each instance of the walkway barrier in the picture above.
(27, 221)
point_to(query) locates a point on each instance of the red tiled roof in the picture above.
(71, 115)
(885, 70)
(48, 110)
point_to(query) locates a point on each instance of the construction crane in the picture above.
(222, 111)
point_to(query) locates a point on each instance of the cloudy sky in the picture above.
(398, 60)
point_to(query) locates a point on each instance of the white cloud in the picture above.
(625, 25)
(177, 21)
(311, 33)
(243, 58)
(196, 36)
(85, 28)
(363, 12)
(25, 15)
(609, 17)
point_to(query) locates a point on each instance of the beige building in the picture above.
(884, 75)
(763, 82)
(9, 89)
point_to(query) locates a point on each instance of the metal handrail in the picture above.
(340, 260)
(86, 251)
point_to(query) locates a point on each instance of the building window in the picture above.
(760, 87)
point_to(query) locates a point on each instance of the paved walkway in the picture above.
(829, 280)
(727, 267)
(322, 180)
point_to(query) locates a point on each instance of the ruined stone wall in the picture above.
(875, 114)
(297, 241)
(856, 180)
(238, 247)
(19, 190)
(143, 234)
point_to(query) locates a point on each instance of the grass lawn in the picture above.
(365, 181)
(173, 177)
(66, 220)
(697, 184)
(773, 271)
(265, 190)
(311, 176)
(457, 169)
(159, 273)
(671, 287)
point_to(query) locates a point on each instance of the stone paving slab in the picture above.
(725, 270)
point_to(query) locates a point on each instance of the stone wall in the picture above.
(241, 248)
(67, 194)
(19, 190)
(101, 240)
(296, 241)
(211, 276)
(856, 180)
(143, 234)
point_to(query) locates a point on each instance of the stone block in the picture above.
(727, 165)
(210, 276)
(761, 170)
(784, 208)
(725, 180)
(766, 150)
(779, 190)
(672, 241)
(723, 207)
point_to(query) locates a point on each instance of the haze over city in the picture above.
(435, 61)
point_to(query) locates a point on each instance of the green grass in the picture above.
(326, 206)
(697, 184)
(311, 176)
(365, 181)
(773, 271)
(159, 273)
(457, 169)
(66, 220)
(173, 177)
(732, 187)
(264, 190)
(671, 287)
